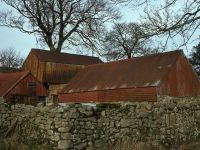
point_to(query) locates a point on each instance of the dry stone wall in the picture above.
(5, 115)
(166, 123)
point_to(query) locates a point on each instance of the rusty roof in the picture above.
(64, 58)
(145, 71)
(9, 80)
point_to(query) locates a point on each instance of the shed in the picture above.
(21, 87)
(137, 79)
(56, 68)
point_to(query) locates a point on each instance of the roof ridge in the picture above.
(131, 59)
(36, 49)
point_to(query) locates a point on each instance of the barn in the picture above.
(55, 69)
(137, 79)
(21, 87)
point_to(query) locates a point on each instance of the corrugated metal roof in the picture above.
(65, 58)
(146, 71)
(9, 80)
(115, 95)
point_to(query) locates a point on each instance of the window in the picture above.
(32, 88)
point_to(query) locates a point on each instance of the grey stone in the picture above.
(148, 106)
(50, 132)
(58, 124)
(89, 132)
(127, 122)
(82, 146)
(125, 131)
(73, 115)
(64, 144)
(60, 110)
(55, 138)
(98, 144)
(88, 123)
(58, 115)
(64, 129)
(90, 144)
(103, 113)
(82, 131)
(66, 136)
(90, 148)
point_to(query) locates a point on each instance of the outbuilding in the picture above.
(21, 87)
(137, 79)
(55, 69)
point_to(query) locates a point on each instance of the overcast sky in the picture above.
(24, 42)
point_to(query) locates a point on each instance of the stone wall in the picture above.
(5, 115)
(168, 123)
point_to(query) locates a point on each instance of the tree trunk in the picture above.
(129, 56)
(50, 44)
(52, 49)
(59, 47)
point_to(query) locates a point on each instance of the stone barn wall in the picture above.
(169, 122)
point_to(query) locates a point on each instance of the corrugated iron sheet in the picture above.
(146, 71)
(116, 95)
(64, 58)
(181, 80)
(16, 83)
(9, 80)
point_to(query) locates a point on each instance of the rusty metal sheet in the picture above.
(64, 58)
(146, 71)
(16, 83)
(116, 95)
(182, 80)
(8, 80)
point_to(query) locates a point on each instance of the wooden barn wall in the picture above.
(31, 64)
(181, 80)
(49, 72)
(60, 73)
(116, 95)
(41, 72)
(22, 88)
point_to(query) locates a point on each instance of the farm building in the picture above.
(137, 79)
(21, 87)
(54, 69)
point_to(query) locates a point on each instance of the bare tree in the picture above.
(55, 22)
(126, 40)
(9, 58)
(172, 18)
(132, 2)
(195, 58)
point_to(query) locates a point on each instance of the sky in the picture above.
(23, 42)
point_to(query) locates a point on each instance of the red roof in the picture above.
(9, 80)
(64, 58)
(146, 71)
